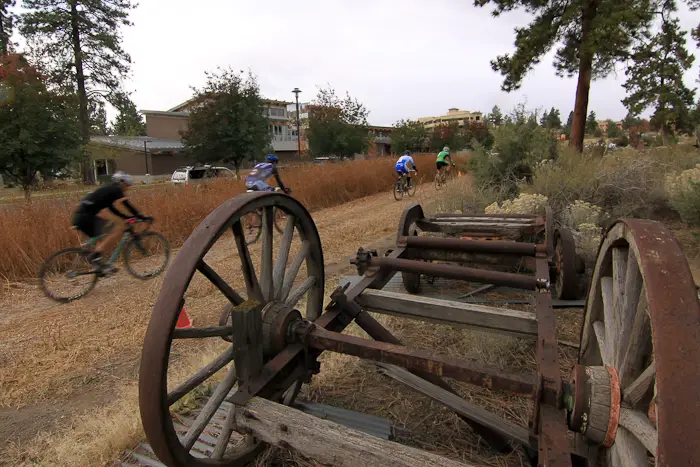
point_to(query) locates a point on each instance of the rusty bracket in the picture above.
(362, 260)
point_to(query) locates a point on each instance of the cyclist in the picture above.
(404, 165)
(87, 220)
(256, 178)
(440, 161)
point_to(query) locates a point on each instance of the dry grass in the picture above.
(29, 233)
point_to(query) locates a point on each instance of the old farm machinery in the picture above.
(633, 398)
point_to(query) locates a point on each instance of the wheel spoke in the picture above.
(294, 270)
(619, 272)
(627, 312)
(627, 451)
(599, 329)
(606, 289)
(251, 281)
(202, 375)
(636, 391)
(219, 282)
(225, 435)
(639, 344)
(285, 245)
(210, 408)
(299, 292)
(266, 264)
(640, 427)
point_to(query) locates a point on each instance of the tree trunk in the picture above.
(578, 126)
(83, 115)
(664, 135)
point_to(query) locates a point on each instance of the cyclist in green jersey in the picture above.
(440, 161)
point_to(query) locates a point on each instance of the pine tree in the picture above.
(79, 44)
(6, 25)
(554, 119)
(496, 116)
(98, 118)
(129, 122)
(591, 124)
(544, 120)
(590, 36)
(656, 79)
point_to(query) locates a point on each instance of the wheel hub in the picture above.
(276, 322)
(594, 409)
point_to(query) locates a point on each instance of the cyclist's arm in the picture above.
(130, 207)
(278, 179)
(450, 158)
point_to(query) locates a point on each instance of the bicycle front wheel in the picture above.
(411, 189)
(146, 255)
(252, 227)
(398, 191)
(67, 275)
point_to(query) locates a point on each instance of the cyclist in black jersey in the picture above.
(87, 220)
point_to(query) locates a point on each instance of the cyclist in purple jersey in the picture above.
(261, 172)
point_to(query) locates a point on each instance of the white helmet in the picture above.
(446, 149)
(120, 176)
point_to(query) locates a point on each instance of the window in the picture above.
(276, 112)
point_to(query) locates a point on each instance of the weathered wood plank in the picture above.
(627, 451)
(486, 318)
(619, 266)
(606, 289)
(328, 442)
(599, 329)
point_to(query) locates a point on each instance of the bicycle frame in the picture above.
(126, 236)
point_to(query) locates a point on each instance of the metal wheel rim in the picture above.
(398, 191)
(154, 406)
(669, 311)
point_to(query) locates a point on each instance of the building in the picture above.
(603, 124)
(462, 117)
(161, 151)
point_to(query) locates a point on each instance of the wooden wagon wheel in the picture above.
(565, 265)
(637, 385)
(407, 226)
(280, 280)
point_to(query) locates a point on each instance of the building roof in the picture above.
(136, 143)
(194, 99)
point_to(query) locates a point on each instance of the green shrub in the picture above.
(687, 203)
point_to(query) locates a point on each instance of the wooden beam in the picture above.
(484, 318)
(457, 404)
(325, 441)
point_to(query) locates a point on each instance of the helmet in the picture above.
(120, 176)
(446, 149)
(407, 153)
(272, 158)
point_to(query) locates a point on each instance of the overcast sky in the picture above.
(401, 58)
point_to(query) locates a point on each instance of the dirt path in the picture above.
(57, 361)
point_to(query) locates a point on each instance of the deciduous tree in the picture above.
(79, 44)
(38, 127)
(612, 130)
(337, 126)
(229, 125)
(409, 135)
(590, 36)
(656, 78)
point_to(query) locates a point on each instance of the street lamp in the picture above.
(296, 92)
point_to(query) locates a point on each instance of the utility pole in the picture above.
(296, 92)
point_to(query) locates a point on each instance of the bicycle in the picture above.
(402, 186)
(252, 222)
(74, 263)
(441, 177)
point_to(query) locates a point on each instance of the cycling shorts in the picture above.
(258, 185)
(89, 224)
(441, 164)
(401, 169)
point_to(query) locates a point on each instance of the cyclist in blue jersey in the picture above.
(256, 178)
(404, 165)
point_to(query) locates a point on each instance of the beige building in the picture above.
(462, 117)
(603, 124)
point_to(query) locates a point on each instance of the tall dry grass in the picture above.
(29, 233)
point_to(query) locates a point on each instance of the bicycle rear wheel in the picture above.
(280, 218)
(398, 190)
(67, 275)
(438, 181)
(146, 255)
